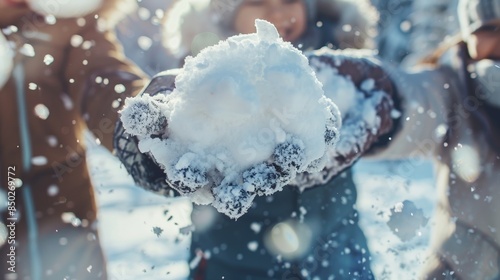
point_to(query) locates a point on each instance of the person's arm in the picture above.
(425, 105)
(367, 106)
(99, 79)
(410, 111)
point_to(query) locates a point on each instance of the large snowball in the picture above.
(65, 8)
(6, 58)
(245, 117)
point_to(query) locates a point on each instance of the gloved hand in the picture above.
(150, 175)
(365, 118)
(141, 166)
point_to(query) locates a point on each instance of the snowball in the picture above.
(65, 9)
(245, 117)
(6, 57)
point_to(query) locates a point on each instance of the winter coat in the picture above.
(312, 234)
(68, 76)
(447, 116)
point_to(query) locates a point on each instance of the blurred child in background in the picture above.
(69, 73)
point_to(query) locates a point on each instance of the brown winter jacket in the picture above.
(78, 73)
(67, 76)
(446, 117)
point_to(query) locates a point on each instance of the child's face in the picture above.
(289, 17)
(484, 43)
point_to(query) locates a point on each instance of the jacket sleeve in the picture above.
(100, 78)
(367, 115)
(425, 96)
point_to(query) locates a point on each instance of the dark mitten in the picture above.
(366, 116)
(143, 169)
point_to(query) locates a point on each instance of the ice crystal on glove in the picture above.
(244, 118)
(290, 155)
(144, 116)
(233, 199)
(266, 178)
(6, 58)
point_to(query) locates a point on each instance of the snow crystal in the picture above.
(53, 190)
(245, 117)
(76, 40)
(48, 59)
(119, 88)
(39, 160)
(42, 111)
(32, 86)
(256, 227)
(253, 245)
(144, 43)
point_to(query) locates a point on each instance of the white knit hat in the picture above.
(474, 14)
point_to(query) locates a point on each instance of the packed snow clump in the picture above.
(245, 117)
(6, 57)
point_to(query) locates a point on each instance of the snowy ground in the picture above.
(141, 238)
(139, 230)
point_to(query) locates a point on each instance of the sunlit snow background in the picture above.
(141, 231)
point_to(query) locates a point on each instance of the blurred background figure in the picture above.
(433, 22)
(395, 27)
(140, 33)
(411, 30)
(69, 74)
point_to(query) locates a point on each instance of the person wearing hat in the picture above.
(327, 242)
(450, 108)
(62, 72)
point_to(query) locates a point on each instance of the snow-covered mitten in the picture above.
(141, 166)
(6, 57)
(367, 100)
